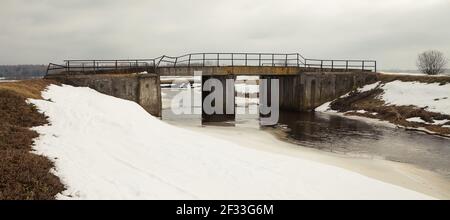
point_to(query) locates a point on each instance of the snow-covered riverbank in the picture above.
(415, 105)
(108, 148)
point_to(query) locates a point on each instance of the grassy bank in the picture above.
(370, 104)
(411, 78)
(24, 175)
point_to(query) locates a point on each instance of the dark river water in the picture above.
(343, 135)
(355, 137)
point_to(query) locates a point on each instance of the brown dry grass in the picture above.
(24, 175)
(395, 114)
(421, 78)
(27, 88)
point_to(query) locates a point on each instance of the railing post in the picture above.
(321, 65)
(332, 65)
(93, 65)
(189, 62)
(298, 60)
(232, 59)
(375, 66)
(346, 65)
(82, 64)
(259, 59)
(175, 64)
(218, 59)
(48, 68)
(68, 66)
(363, 65)
(273, 60)
(115, 64)
(286, 61)
(203, 60)
(246, 59)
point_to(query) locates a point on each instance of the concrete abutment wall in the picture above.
(307, 91)
(143, 89)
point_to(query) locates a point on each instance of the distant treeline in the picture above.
(22, 71)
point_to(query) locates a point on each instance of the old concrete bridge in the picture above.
(304, 83)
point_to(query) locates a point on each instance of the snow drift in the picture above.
(108, 148)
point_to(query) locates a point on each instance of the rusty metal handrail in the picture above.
(81, 66)
(232, 59)
(212, 59)
(263, 59)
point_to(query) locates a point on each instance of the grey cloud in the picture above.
(393, 32)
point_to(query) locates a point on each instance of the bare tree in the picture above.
(431, 62)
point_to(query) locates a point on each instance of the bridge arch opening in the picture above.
(182, 99)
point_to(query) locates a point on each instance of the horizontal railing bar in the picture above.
(342, 60)
(100, 60)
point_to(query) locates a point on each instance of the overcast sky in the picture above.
(390, 31)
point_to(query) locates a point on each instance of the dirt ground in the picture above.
(24, 175)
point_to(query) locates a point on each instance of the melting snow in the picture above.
(416, 119)
(368, 87)
(418, 94)
(108, 148)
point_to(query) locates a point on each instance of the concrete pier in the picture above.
(225, 105)
(307, 91)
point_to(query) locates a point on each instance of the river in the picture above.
(336, 135)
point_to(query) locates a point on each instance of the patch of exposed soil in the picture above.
(24, 175)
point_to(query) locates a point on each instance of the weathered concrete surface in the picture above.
(306, 91)
(299, 91)
(228, 101)
(141, 88)
(149, 96)
(239, 70)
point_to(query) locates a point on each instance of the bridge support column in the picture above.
(303, 92)
(265, 92)
(307, 91)
(291, 92)
(149, 94)
(218, 100)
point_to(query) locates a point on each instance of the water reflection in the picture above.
(358, 138)
(340, 135)
(312, 128)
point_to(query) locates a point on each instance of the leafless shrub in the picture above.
(431, 62)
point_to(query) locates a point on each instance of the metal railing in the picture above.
(232, 59)
(212, 60)
(364, 65)
(98, 66)
(263, 59)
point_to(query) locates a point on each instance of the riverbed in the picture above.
(410, 159)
